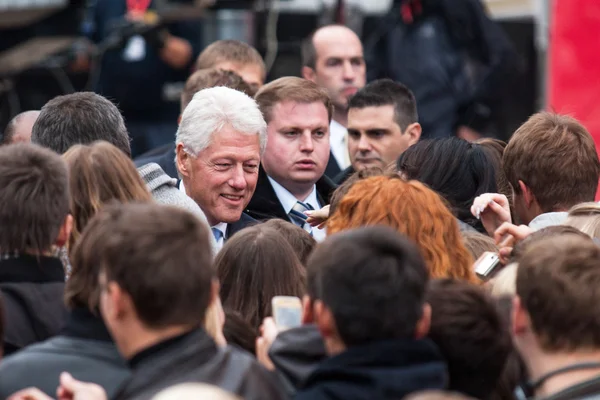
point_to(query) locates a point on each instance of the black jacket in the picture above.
(84, 349)
(383, 370)
(265, 205)
(32, 292)
(344, 175)
(163, 156)
(194, 357)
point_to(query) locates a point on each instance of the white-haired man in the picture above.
(220, 141)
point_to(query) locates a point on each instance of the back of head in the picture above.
(80, 118)
(471, 334)
(565, 265)
(194, 391)
(212, 109)
(414, 210)
(34, 198)
(458, 170)
(300, 240)
(255, 265)
(232, 51)
(293, 89)
(478, 243)
(555, 157)
(19, 128)
(373, 280)
(100, 173)
(169, 281)
(386, 92)
(586, 218)
(207, 78)
(541, 235)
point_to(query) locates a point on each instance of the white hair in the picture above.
(213, 108)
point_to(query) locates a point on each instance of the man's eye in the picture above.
(223, 165)
(319, 133)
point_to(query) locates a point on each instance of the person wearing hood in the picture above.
(35, 219)
(371, 355)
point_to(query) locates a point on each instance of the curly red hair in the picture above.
(415, 211)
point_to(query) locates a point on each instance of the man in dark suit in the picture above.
(292, 180)
(219, 143)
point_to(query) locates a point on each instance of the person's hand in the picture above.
(269, 332)
(507, 235)
(72, 389)
(30, 394)
(492, 209)
(318, 218)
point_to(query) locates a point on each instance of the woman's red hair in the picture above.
(415, 211)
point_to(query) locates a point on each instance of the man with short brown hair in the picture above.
(291, 178)
(154, 296)
(236, 56)
(556, 319)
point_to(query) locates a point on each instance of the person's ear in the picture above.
(324, 320)
(117, 304)
(424, 323)
(184, 161)
(519, 318)
(309, 74)
(307, 311)
(414, 133)
(528, 197)
(65, 231)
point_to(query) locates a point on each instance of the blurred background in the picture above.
(555, 43)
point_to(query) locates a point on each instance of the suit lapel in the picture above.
(264, 203)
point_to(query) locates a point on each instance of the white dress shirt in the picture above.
(222, 226)
(338, 140)
(288, 201)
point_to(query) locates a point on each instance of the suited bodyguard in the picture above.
(291, 178)
(219, 144)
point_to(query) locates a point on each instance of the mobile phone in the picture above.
(487, 265)
(287, 311)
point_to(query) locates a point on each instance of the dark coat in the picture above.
(194, 357)
(163, 156)
(344, 175)
(265, 205)
(382, 370)
(84, 349)
(333, 168)
(32, 292)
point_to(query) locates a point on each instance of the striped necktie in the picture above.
(299, 218)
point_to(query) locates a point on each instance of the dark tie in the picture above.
(299, 218)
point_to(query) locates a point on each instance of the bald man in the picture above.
(19, 128)
(332, 57)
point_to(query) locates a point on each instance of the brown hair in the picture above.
(565, 266)
(207, 78)
(555, 156)
(233, 51)
(100, 173)
(291, 88)
(159, 255)
(34, 198)
(467, 327)
(478, 243)
(586, 218)
(414, 210)
(300, 240)
(255, 265)
(239, 332)
(541, 235)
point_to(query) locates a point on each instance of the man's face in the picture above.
(252, 74)
(374, 137)
(298, 144)
(340, 65)
(222, 178)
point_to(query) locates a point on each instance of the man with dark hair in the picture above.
(552, 164)
(382, 123)
(154, 297)
(79, 118)
(19, 128)
(84, 348)
(559, 339)
(367, 298)
(34, 217)
(471, 335)
(332, 57)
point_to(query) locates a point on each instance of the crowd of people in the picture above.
(154, 277)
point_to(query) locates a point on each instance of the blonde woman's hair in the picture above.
(586, 218)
